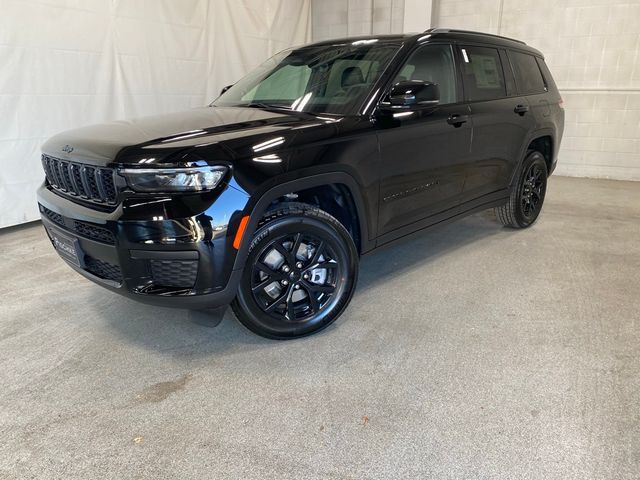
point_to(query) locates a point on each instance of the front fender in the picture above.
(259, 204)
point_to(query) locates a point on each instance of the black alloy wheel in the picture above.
(300, 273)
(532, 191)
(296, 276)
(527, 195)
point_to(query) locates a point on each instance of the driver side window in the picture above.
(432, 63)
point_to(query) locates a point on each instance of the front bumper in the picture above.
(150, 253)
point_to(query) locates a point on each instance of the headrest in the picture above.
(352, 76)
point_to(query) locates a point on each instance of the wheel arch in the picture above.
(544, 138)
(262, 203)
(544, 143)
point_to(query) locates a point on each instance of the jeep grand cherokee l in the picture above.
(266, 198)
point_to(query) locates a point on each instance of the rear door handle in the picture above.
(521, 109)
(457, 120)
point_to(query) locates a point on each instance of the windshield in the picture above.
(317, 79)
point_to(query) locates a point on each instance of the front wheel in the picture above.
(527, 194)
(300, 273)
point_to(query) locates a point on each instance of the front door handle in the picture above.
(521, 109)
(457, 120)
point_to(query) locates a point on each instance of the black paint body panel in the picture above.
(403, 175)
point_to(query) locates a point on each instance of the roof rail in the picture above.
(470, 32)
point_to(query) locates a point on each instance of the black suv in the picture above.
(267, 197)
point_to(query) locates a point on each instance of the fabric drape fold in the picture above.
(68, 64)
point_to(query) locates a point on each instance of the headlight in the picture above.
(190, 179)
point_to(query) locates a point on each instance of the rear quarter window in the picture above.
(528, 76)
(546, 73)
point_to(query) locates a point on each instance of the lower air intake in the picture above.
(103, 269)
(174, 273)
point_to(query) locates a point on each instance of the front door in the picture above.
(423, 153)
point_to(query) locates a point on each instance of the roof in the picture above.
(471, 33)
(381, 38)
(440, 33)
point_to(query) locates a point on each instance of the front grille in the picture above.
(103, 269)
(174, 273)
(83, 181)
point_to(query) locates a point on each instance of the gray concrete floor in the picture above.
(471, 351)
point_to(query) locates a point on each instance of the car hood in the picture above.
(224, 131)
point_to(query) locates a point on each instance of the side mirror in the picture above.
(412, 95)
(224, 89)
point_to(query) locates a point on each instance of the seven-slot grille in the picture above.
(90, 183)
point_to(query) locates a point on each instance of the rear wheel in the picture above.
(527, 195)
(300, 273)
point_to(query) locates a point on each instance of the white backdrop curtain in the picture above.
(68, 63)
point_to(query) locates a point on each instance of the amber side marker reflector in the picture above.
(241, 228)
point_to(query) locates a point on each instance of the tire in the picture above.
(527, 194)
(300, 273)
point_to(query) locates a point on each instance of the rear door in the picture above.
(501, 121)
(531, 83)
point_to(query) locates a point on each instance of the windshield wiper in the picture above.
(264, 105)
